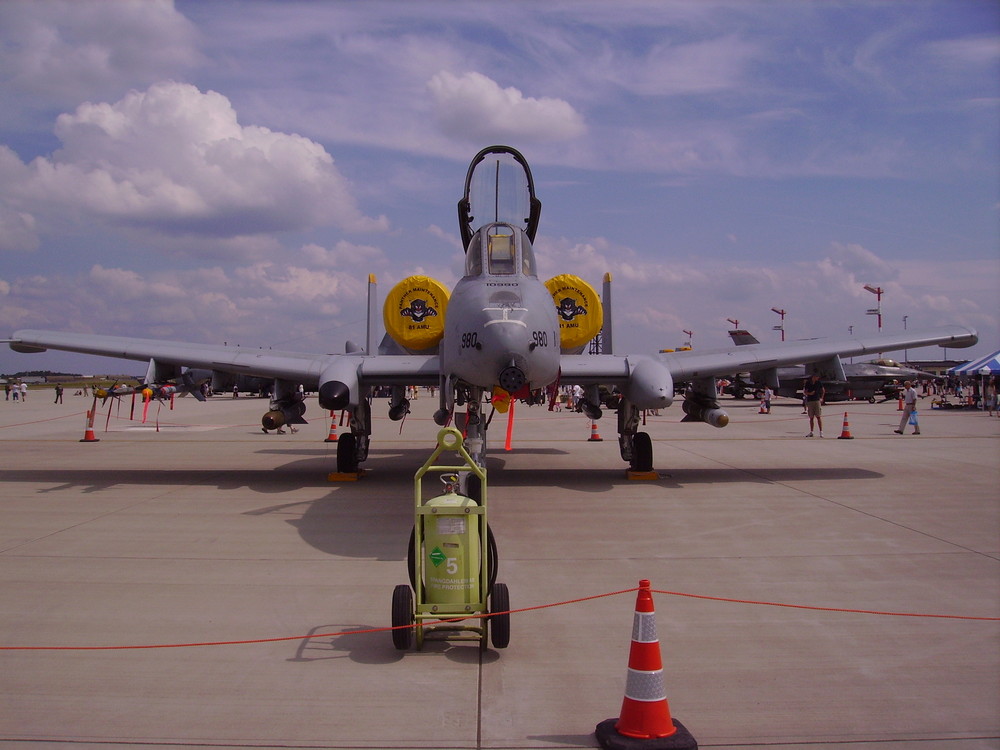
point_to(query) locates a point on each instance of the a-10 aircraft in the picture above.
(503, 331)
(862, 380)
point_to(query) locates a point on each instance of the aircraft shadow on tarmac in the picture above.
(371, 518)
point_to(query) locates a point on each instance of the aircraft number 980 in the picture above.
(470, 340)
(540, 338)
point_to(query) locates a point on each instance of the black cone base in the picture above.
(609, 739)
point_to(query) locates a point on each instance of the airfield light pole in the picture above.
(877, 310)
(782, 326)
(690, 335)
(906, 355)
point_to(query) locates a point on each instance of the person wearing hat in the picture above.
(909, 407)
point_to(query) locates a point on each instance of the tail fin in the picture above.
(607, 340)
(370, 345)
(742, 338)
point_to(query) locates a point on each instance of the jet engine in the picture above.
(414, 313)
(581, 314)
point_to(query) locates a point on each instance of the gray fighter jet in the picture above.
(503, 331)
(863, 380)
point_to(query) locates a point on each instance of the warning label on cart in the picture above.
(437, 556)
(447, 525)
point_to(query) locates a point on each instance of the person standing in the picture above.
(813, 392)
(59, 394)
(768, 395)
(24, 392)
(909, 407)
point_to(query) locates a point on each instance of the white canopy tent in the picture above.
(991, 362)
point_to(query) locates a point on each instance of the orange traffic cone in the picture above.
(88, 432)
(645, 720)
(845, 434)
(332, 437)
(899, 405)
(594, 436)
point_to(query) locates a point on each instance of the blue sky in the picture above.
(233, 171)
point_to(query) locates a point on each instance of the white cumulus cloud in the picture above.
(173, 159)
(474, 107)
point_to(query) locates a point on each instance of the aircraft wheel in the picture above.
(402, 614)
(871, 399)
(500, 623)
(642, 452)
(347, 460)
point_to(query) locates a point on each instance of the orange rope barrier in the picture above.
(40, 421)
(488, 614)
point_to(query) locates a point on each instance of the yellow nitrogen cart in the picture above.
(452, 561)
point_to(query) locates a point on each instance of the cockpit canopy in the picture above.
(498, 188)
(502, 250)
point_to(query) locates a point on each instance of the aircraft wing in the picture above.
(690, 365)
(268, 363)
(695, 365)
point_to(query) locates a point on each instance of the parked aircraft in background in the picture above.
(503, 333)
(862, 380)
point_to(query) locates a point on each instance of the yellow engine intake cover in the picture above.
(414, 312)
(580, 312)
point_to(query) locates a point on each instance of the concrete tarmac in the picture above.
(205, 530)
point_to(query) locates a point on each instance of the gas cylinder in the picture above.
(451, 549)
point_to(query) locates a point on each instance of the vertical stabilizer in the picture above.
(606, 334)
(371, 347)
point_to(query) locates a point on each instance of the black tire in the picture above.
(474, 489)
(642, 452)
(402, 614)
(500, 623)
(347, 459)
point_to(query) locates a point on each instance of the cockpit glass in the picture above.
(499, 192)
(500, 249)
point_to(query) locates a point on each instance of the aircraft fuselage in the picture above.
(502, 327)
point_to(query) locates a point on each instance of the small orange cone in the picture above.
(845, 434)
(88, 433)
(899, 405)
(594, 436)
(332, 437)
(645, 720)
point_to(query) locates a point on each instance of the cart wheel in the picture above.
(402, 614)
(500, 624)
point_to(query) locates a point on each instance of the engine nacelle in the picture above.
(581, 314)
(414, 313)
